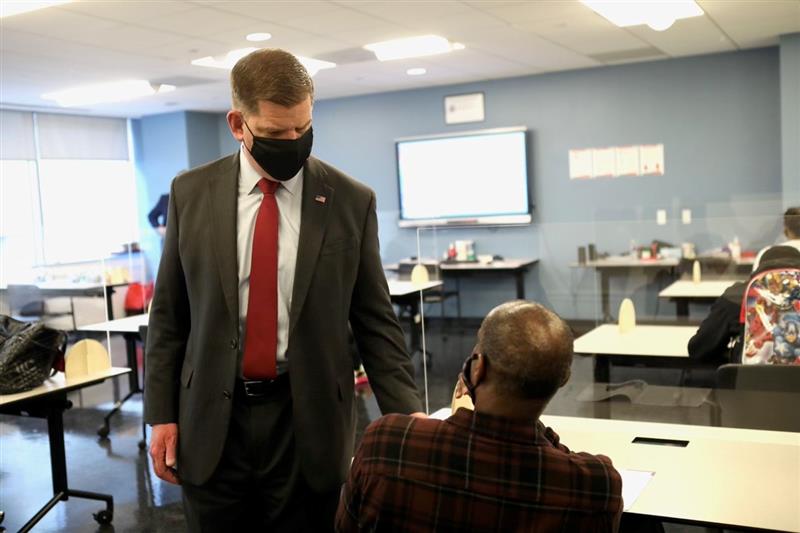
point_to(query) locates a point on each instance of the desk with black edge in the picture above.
(515, 267)
(67, 289)
(49, 401)
(129, 328)
(608, 267)
(661, 346)
(707, 476)
(683, 292)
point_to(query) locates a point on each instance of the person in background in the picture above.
(497, 468)
(719, 338)
(269, 252)
(158, 215)
(791, 229)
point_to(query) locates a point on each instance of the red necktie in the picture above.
(261, 337)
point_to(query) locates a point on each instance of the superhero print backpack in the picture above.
(771, 317)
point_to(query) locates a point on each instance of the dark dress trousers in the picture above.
(193, 339)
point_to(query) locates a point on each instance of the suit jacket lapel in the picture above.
(316, 206)
(223, 190)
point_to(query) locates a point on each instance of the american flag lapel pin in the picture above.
(321, 199)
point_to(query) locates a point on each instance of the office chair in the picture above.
(759, 396)
(27, 303)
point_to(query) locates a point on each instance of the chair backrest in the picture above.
(759, 396)
(404, 269)
(774, 378)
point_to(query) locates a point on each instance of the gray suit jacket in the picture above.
(193, 335)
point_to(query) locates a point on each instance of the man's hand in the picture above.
(419, 414)
(161, 230)
(163, 449)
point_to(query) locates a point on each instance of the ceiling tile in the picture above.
(585, 34)
(129, 11)
(273, 10)
(58, 23)
(693, 36)
(526, 48)
(539, 11)
(198, 22)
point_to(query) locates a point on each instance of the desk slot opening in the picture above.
(661, 442)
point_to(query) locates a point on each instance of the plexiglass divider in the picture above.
(583, 271)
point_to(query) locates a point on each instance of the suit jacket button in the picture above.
(226, 395)
(234, 344)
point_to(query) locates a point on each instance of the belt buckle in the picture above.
(252, 384)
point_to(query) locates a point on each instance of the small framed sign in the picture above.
(462, 108)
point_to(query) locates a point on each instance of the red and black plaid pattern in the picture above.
(475, 472)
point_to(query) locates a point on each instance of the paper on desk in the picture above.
(633, 483)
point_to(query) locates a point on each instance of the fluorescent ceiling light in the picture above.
(15, 7)
(418, 71)
(259, 36)
(423, 45)
(658, 14)
(228, 60)
(100, 93)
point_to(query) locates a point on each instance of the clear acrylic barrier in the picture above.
(583, 272)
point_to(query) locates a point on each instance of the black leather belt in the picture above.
(253, 388)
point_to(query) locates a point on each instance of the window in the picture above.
(67, 190)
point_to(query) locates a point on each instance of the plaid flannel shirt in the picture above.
(475, 472)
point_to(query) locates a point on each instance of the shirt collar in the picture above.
(249, 176)
(499, 427)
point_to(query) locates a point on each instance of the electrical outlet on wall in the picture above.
(661, 217)
(686, 216)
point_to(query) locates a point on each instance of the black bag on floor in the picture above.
(29, 354)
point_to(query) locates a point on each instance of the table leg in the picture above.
(133, 382)
(58, 468)
(602, 369)
(604, 295)
(682, 305)
(109, 302)
(519, 276)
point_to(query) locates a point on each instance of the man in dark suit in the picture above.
(268, 254)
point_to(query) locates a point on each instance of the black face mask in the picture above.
(281, 158)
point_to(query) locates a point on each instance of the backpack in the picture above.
(29, 353)
(771, 316)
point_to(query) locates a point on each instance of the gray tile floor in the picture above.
(145, 504)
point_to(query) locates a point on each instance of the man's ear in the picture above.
(236, 124)
(478, 369)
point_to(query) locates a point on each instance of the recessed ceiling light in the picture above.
(423, 45)
(228, 60)
(16, 7)
(259, 36)
(417, 71)
(101, 93)
(658, 15)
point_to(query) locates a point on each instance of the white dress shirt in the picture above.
(288, 197)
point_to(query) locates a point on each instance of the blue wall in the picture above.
(790, 117)
(163, 146)
(718, 117)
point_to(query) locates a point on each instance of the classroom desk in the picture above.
(648, 345)
(515, 267)
(49, 401)
(621, 265)
(722, 477)
(129, 328)
(56, 289)
(683, 292)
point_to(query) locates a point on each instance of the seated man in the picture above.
(718, 339)
(497, 468)
(791, 228)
